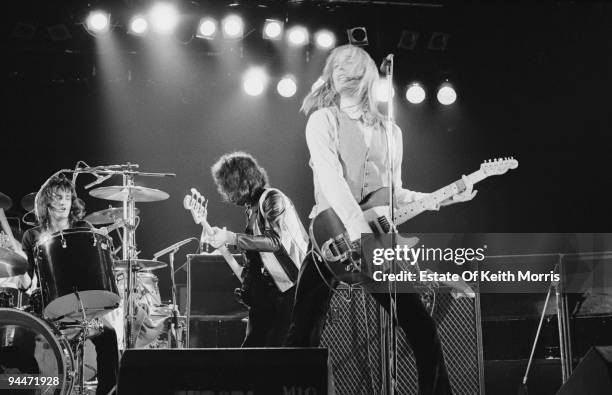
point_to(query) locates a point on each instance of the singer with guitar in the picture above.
(274, 244)
(346, 139)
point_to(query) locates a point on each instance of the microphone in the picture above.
(385, 66)
(172, 247)
(98, 180)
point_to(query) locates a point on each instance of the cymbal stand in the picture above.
(129, 252)
(128, 248)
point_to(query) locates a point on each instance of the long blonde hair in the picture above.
(325, 94)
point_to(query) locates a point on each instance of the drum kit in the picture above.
(81, 281)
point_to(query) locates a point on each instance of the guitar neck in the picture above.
(227, 255)
(415, 208)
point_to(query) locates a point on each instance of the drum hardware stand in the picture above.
(171, 251)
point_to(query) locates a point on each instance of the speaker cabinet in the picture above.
(355, 339)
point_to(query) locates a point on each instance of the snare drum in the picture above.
(76, 260)
(30, 345)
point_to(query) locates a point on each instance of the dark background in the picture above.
(531, 80)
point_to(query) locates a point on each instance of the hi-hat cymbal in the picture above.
(27, 202)
(139, 264)
(106, 216)
(5, 201)
(11, 263)
(120, 193)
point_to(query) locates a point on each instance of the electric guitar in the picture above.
(341, 255)
(197, 206)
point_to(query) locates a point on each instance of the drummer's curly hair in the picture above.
(44, 197)
(239, 177)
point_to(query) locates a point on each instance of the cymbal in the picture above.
(120, 193)
(106, 216)
(139, 264)
(27, 202)
(5, 201)
(11, 263)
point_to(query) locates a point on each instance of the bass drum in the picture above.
(30, 345)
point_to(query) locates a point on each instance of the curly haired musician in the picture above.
(274, 245)
(346, 139)
(58, 208)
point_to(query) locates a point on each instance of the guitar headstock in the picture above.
(493, 167)
(197, 205)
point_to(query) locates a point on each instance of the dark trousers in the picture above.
(107, 359)
(269, 312)
(310, 313)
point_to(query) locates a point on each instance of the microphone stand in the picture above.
(174, 323)
(387, 69)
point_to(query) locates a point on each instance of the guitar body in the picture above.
(331, 240)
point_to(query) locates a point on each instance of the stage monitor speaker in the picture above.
(354, 337)
(247, 371)
(593, 375)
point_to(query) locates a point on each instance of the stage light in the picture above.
(273, 29)
(415, 93)
(298, 35)
(408, 40)
(254, 81)
(164, 18)
(358, 36)
(98, 22)
(138, 25)
(446, 94)
(438, 41)
(286, 87)
(233, 27)
(207, 28)
(325, 39)
(382, 94)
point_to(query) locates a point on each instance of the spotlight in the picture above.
(254, 81)
(358, 36)
(233, 27)
(438, 41)
(207, 28)
(415, 93)
(382, 91)
(408, 40)
(164, 18)
(325, 39)
(446, 94)
(273, 29)
(98, 22)
(297, 36)
(138, 25)
(59, 32)
(24, 30)
(286, 87)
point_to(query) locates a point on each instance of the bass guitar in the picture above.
(197, 206)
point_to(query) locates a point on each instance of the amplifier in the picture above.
(210, 300)
(356, 341)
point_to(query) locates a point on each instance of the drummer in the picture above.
(58, 208)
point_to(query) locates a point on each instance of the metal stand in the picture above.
(565, 341)
(387, 67)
